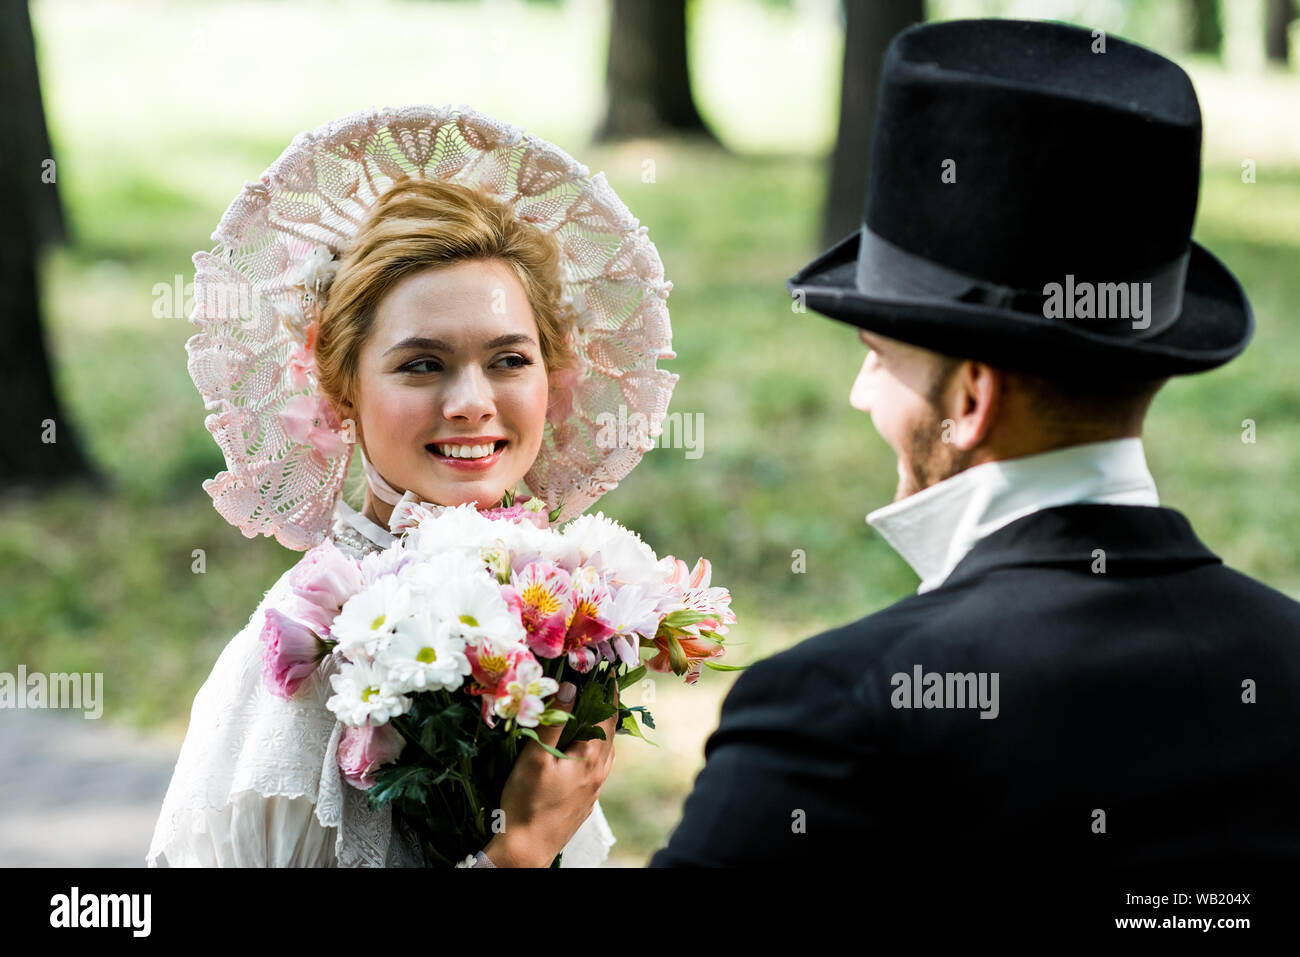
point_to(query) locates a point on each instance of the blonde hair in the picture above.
(415, 224)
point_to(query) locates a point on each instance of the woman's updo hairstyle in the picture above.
(415, 224)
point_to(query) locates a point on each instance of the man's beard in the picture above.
(929, 459)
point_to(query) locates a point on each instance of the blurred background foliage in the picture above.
(156, 131)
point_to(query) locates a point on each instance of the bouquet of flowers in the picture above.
(450, 644)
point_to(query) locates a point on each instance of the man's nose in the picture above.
(860, 394)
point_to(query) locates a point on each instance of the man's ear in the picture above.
(974, 402)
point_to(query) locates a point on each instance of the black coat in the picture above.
(1120, 692)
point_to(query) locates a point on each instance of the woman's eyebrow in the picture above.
(441, 345)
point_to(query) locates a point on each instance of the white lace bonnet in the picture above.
(256, 294)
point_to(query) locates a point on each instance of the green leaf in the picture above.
(716, 667)
(676, 656)
(554, 716)
(645, 714)
(554, 513)
(683, 617)
(628, 725)
(410, 781)
(530, 733)
(631, 678)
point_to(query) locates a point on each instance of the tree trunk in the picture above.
(1207, 28)
(1277, 17)
(647, 79)
(40, 445)
(869, 25)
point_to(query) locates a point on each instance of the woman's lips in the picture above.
(468, 465)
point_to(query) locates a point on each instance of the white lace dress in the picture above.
(257, 783)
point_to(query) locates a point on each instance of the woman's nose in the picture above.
(469, 396)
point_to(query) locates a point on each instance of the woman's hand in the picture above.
(546, 799)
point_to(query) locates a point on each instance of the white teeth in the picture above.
(466, 451)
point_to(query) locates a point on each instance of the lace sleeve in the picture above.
(255, 781)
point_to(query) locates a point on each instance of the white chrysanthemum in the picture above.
(613, 548)
(471, 604)
(369, 617)
(424, 655)
(426, 575)
(529, 544)
(363, 695)
(459, 527)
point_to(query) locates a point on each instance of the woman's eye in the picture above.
(517, 361)
(411, 366)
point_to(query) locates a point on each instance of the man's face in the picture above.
(899, 386)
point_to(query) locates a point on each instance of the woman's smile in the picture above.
(467, 455)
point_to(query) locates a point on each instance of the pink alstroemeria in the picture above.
(492, 664)
(588, 628)
(290, 653)
(324, 579)
(694, 650)
(363, 751)
(521, 695)
(312, 421)
(691, 588)
(632, 614)
(539, 595)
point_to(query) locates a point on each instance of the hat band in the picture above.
(1137, 307)
(381, 489)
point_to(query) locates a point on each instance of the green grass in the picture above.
(103, 579)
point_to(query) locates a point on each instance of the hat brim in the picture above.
(1214, 326)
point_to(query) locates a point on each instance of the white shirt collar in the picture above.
(934, 528)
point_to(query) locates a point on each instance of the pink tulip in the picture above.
(290, 653)
(363, 751)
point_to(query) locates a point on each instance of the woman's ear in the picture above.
(559, 405)
(349, 418)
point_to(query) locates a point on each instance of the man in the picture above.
(1080, 682)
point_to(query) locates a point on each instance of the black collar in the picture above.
(1135, 538)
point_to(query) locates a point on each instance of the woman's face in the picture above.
(451, 386)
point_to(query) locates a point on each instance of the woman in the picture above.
(464, 302)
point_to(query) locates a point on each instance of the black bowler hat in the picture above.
(1029, 196)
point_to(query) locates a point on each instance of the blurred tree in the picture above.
(1207, 28)
(647, 79)
(869, 25)
(33, 219)
(1278, 16)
